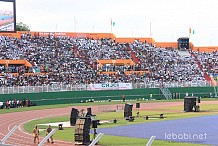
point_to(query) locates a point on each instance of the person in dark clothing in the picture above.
(48, 130)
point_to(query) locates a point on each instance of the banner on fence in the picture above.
(110, 86)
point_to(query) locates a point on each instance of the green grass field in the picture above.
(68, 133)
(170, 112)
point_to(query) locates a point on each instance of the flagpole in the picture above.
(75, 23)
(111, 28)
(189, 30)
(111, 24)
(93, 28)
(150, 34)
(189, 37)
(150, 29)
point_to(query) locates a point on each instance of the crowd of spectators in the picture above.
(73, 61)
(209, 62)
(167, 65)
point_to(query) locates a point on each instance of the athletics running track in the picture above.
(22, 138)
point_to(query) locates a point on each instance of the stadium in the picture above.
(39, 68)
(87, 88)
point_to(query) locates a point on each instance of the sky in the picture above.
(163, 20)
(6, 6)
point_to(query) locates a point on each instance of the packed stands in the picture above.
(166, 65)
(209, 61)
(67, 60)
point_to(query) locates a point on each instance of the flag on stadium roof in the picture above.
(191, 31)
(112, 23)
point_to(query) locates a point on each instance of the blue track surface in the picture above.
(200, 130)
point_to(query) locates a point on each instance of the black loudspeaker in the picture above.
(189, 103)
(131, 119)
(137, 105)
(82, 131)
(94, 124)
(128, 110)
(199, 100)
(73, 116)
(89, 111)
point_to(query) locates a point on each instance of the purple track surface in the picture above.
(199, 130)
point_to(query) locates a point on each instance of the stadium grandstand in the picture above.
(40, 59)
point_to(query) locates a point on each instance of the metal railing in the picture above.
(47, 137)
(96, 139)
(166, 92)
(83, 87)
(2, 142)
(151, 140)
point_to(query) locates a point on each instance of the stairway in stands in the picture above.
(135, 59)
(206, 76)
(166, 92)
(81, 56)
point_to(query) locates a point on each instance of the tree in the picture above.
(22, 27)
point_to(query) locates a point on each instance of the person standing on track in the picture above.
(36, 134)
(48, 130)
(123, 97)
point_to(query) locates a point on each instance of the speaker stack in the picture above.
(128, 110)
(73, 117)
(89, 112)
(199, 100)
(82, 131)
(189, 103)
(137, 105)
(94, 123)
